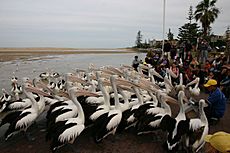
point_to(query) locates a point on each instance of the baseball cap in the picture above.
(220, 141)
(210, 82)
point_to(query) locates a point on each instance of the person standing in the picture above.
(181, 51)
(188, 48)
(135, 63)
(198, 49)
(204, 51)
(167, 48)
(216, 102)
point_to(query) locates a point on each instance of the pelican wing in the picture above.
(25, 119)
(115, 120)
(72, 131)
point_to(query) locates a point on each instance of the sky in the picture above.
(94, 23)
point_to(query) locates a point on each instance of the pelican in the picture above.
(151, 119)
(6, 97)
(180, 86)
(128, 118)
(26, 117)
(16, 89)
(196, 90)
(4, 100)
(176, 126)
(108, 122)
(198, 129)
(66, 131)
(104, 108)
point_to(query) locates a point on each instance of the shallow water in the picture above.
(33, 66)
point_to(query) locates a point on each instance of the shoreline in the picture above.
(9, 54)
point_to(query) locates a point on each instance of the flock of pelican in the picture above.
(108, 100)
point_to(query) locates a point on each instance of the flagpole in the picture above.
(163, 29)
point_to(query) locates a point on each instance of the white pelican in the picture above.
(196, 90)
(66, 131)
(26, 117)
(128, 118)
(198, 129)
(181, 86)
(108, 122)
(6, 97)
(177, 126)
(151, 119)
(16, 89)
(104, 108)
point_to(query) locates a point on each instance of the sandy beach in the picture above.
(8, 54)
(128, 141)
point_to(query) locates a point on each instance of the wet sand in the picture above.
(8, 54)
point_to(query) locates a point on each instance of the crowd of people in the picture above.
(181, 60)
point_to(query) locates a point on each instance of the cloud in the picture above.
(91, 23)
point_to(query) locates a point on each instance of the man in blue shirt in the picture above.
(216, 101)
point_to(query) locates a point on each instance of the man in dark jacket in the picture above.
(135, 63)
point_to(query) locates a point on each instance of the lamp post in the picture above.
(163, 29)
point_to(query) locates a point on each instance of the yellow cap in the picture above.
(220, 141)
(210, 82)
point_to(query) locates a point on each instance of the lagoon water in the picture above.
(33, 66)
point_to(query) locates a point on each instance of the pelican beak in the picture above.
(43, 86)
(125, 88)
(156, 74)
(28, 81)
(105, 75)
(4, 91)
(192, 82)
(205, 105)
(106, 83)
(115, 70)
(63, 94)
(107, 71)
(76, 79)
(95, 69)
(125, 82)
(36, 90)
(147, 83)
(144, 67)
(171, 100)
(168, 82)
(86, 93)
(127, 66)
(171, 73)
(80, 70)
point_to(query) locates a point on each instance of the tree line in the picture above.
(206, 13)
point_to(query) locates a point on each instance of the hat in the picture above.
(210, 82)
(220, 141)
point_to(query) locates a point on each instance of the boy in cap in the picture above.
(216, 102)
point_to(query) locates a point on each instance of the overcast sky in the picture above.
(94, 23)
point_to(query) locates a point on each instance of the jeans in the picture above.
(204, 56)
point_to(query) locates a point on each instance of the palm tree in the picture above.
(206, 13)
